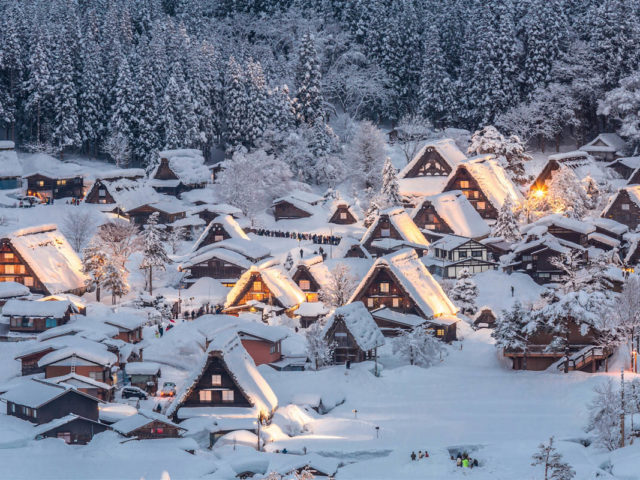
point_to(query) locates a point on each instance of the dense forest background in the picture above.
(126, 78)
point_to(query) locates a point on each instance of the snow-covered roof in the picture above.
(630, 162)
(403, 224)
(345, 245)
(227, 347)
(139, 420)
(36, 393)
(558, 220)
(394, 316)
(33, 308)
(339, 203)
(549, 241)
(413, 276)
(50, 256)
(97, 355)
(281, 286)
(228, 256)
(605, 239)
(125, 320)
(360, 324)
(421, 186)
(130, 194)
(165, 204)
(286, 464)
(10, 166)
(308, 197)
(59, 422)
(230, 226)
(79, 381)
(188, 221)
(311, 309)
(122, 173)
(447, 149)
(610, 225)
(250, 249)
(454, 208)
(142, 368)
(493, 179)
(450, 242)
(573, 155)
(187, 164)
(13, 289)
(612, 144)
(296, 202)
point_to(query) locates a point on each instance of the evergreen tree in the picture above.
(122, 112)
(171, 114)
(506, 226)
(154, 253)
(115, 279)
(365, 155)
(308, 102)
(418, 347)
(390, 192)
(464, 293)
(566, 195)
(38, 85)
(319, 350)
(145, 125)
(551, 460)
(436, 86)
(236, 105)
(514, 330)
(65, 106)
(91, 101)
(257, 107)
(94, 260)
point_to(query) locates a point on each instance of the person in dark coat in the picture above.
(413, 455)
(161, 330)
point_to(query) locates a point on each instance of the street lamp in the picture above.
(377, 431)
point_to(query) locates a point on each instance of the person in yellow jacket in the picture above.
(465, 463)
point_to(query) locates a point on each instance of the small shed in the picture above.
(484, 318)
(606, 147)
(144, 375)
(37, 316)
(147, 425)
(72, 428)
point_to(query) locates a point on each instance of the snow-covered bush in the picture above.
(464, 293)
(418, 347)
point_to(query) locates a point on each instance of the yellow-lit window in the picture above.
(8, 257)
(305, 285)
(384, 287)
(257, 286)
(227, 396)
(440, 332)
(9, 269)
(218, 238)
(216, 380)
(28, 281)
(343, 216)
(464, 183)
(370, 302)
(61, 182)
(41, 183)
(396, 302)
(481, 205)
(205, 395)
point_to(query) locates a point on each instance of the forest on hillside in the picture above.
(296, 78)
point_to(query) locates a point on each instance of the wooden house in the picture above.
(262, 342)
(293, 466)
(168, 212)
(354, 333)
(350, 247)
(12, 290)
(144, 375)
(624, 207)
(569, 229)
(37, 316)
(267, 284)
(311, 275)
(41, 259)
(289, 208)
(574, 160)
(392, 322)
(146, 425)
(179, 171)
(100, 390)
(401, 282)
(47, 186)
(486, 185)
(606, 147)
(452, 254)
(310, 312)
(73, 429)
(429, 169)
(626, 167)
(485, 317)
(450, 212)
(121, 195)
(129, 326)
(94, 363)
(29, 358)
(393, 230)
(220, 228)
(535, 258)
(41, 402)
(208, 212)
(10, 166)
(341, 214)
(226, 383)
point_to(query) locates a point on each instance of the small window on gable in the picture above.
(218, 238)
(28, 281)
(343, 215)
(205, 396)
(160, 430)
(384, 287)
(305, 285)
(370, 302)
(257, 286)
(216, 380)
(464, 183)
(102, 192)
(396, 302)
(440, 332)
(481, 205)
(625, 206)
(227, 396)
(385, 232)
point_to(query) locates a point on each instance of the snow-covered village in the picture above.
(329, 239)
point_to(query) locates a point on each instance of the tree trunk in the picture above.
(98, 293)
(557, 142)
(150, 280)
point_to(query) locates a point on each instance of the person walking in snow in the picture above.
(465, 463)
(426, 454)
(161, 330)
(420, 454)
(413, 455)
(458, 461)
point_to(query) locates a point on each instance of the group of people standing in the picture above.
(465, 461)
(315, 238)
(420, 455)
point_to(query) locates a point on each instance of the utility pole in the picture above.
(622, 407)
(259, 421)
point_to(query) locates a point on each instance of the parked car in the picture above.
(168, 389)
(129, 392)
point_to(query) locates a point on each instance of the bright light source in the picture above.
(539, 193)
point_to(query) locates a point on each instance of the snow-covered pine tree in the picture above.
(566, 195)
(506, 226)
(319, 349)
(38, 85)
(390, 191)
(92, 121)
(436, 86)
(257, 114)
(514, 329)
(154, 254)
(94, 260)
(65, 105)
(418, 347)
(604, 415)
(145, 124)
(551, 460)
(236, 105)
(122, 113)
(511, 149)
(622, 105)
(288, 263)
(171, 114)
(115, 279)
(282, 114)
(464, 293)
(308, 102)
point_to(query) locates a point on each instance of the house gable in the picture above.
(255, 290)
(464, 181)
(624, 210)
(431, 163)
(285, 210)
(164, 171)
(342, 216)
(13, 268)
(383, 289)
(99, 193)
(427, 218)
